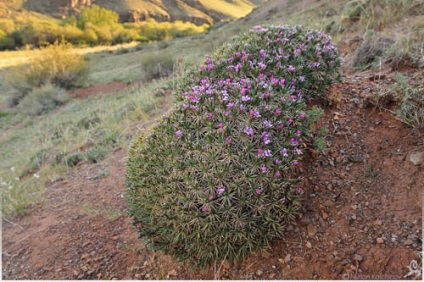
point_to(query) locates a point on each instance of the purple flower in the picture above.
(316, 64)
(295, 163)
(205, 209)
(242, 107)
(138, 225)
(248, 131)
(228, 139)
(263, 169)
(262, 53)
(230, 105)
(277, 111)
(301, 78)
(297, 51)
(179, 133)
(277, 162)
(277, 174)
(298, 133)
(211, 197)
(267, 123)
(294, 142)
(258, 191)
(302, 115)
(298, 152)
(261, 66)
(245, 98)
(185, 106)
(291, 68)
(254, 114)
(221, 125)
(210, 115)
(260, 152)
(284, 153)
(220, 190)
(299, 190)
(267, 153)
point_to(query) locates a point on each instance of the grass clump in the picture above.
(216, 178)
(96, 154)
(157, 66)
(412, 102)
(72, 159)
(42, 100)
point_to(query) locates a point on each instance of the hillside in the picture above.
(196, 11)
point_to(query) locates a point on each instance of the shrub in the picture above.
(96, 154)
(215, 179)
(72, 159)
(157, 66)
(43, 99)
(57, 64)
(412, 103)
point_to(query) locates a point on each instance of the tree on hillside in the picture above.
(97, 16)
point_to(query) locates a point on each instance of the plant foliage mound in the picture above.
(215, 179)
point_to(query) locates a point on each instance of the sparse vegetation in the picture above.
(412, 102)
(42, 100)
(56, 65)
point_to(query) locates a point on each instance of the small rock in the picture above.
(380, 240)
(409, 242)
(354, 216)
(172, 273)
(259, 272)
(378, 222)
(324, 215)
(272, 275)
(342, 175)
(312, 230)
(308, 245)
(354, 207)
(75, 272)
(416, 158)
(358, 257)
(346, 261)
(84, 268)
(85, 256)
(287, 258)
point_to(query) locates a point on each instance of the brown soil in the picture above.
(361, 215)
(99, 89)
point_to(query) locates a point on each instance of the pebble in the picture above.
(358, 257)
(172, 273)
(324, 215)
(308, 245)
(312, 230)
(354, 207)
(378, 222)
(380, 240)
(272, 275)
(416, 158)
(259, 272)
(287, 258)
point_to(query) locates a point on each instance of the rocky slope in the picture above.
(196, 11)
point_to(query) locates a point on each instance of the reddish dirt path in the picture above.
(100, 89)
(361, 217)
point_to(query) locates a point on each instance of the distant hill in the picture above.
(196, 11)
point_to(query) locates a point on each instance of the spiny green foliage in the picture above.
(215, 179)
